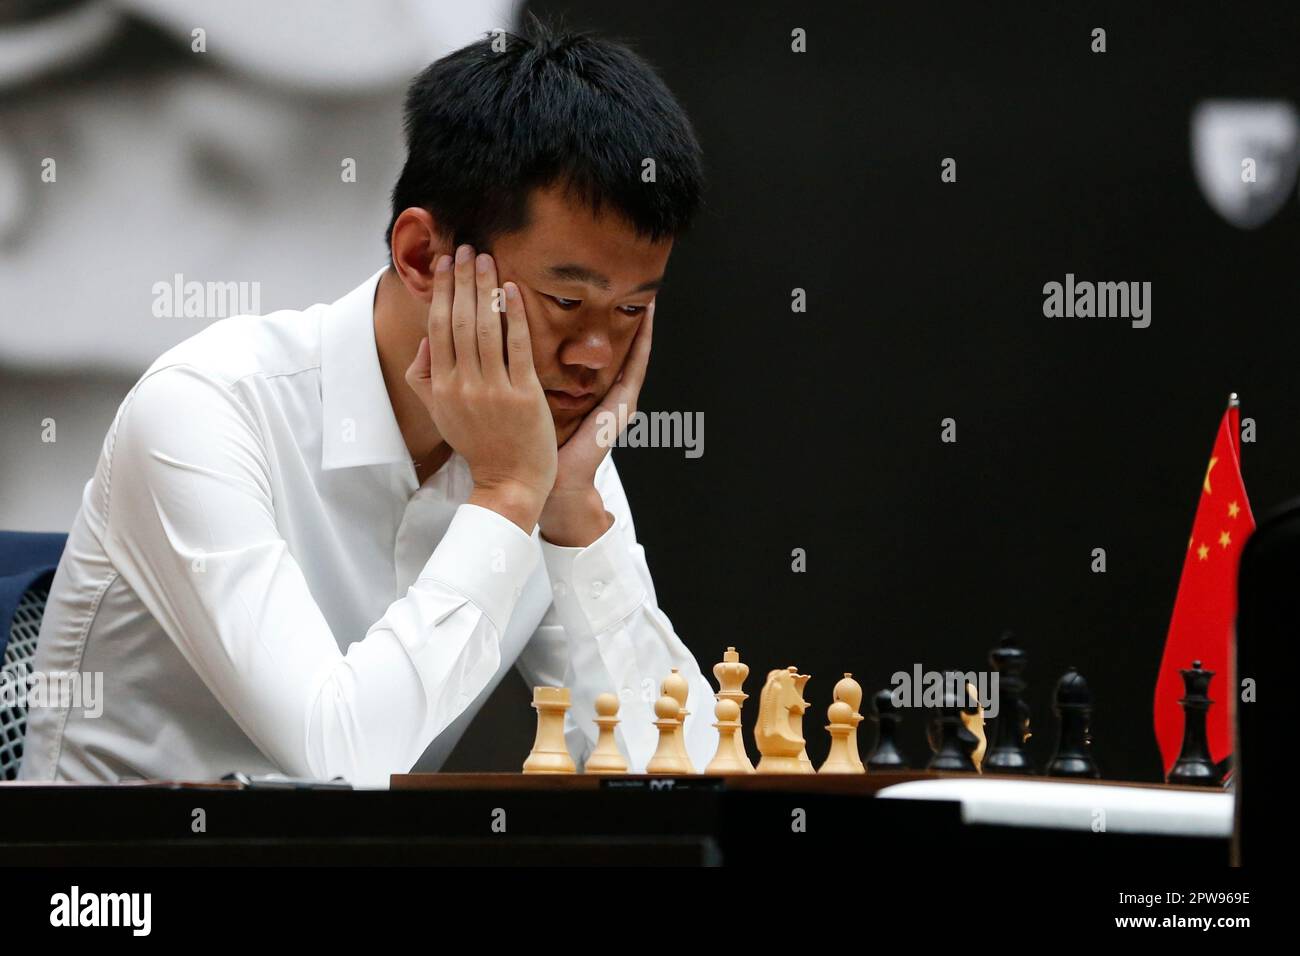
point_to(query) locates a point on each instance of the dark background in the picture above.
(925, 302)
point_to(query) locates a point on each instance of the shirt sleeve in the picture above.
(191, 527)
(604, 632)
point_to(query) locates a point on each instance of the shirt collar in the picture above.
(358, 424)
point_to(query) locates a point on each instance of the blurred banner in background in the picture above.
(148, 145)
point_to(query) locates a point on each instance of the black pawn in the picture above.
(1011, 730)
(1194, 766)
(952, 743)
(886, 755)
(1073, 707)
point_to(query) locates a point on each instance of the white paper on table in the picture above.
(1077, 806)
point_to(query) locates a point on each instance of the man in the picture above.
(315, 541)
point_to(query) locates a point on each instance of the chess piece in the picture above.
(731, 674)
(677, 687)
(1011, 726)
(1194, 766)
(1073, 707)
(550, 754)
(796, 719)
(850, 691)
(667, 759)
(731, 756)
(973, 720)
(886, 755)
(778, 744)
(606, 758)
(841, 758)
(951, 738)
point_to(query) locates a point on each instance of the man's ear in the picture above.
(415, 246)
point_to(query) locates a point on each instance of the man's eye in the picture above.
(564, 303)
(632, 310)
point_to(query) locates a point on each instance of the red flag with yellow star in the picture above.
(1206, 606)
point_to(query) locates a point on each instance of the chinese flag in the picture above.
(1206, 606)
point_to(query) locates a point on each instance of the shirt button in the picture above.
(597, 588)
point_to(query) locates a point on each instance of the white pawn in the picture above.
(840, 759)
(731, 756)
(606, 758)
(667, 759)
(850, 691)
(677, 687)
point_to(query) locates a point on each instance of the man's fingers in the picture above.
(626, 390)
(418, 371)
(490, 302)
(519, 344)
(442, 354)
(464, 319)
(638, 356)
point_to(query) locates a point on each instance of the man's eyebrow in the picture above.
(572, 272)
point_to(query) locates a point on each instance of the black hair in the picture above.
(490, 122)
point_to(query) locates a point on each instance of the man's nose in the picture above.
(590, 347)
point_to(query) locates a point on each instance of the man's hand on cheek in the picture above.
(574, 515)
(475, 376)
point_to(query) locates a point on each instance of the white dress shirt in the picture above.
(266, 588)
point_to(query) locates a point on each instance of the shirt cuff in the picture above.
(486, 557)
(599, 583)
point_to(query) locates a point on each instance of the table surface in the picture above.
(581, 819)
(861, 784)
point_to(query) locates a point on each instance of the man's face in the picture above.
(586, 282)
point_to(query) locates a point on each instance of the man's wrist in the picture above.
(574, 519)
(514, 501)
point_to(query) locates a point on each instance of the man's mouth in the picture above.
(569, 398)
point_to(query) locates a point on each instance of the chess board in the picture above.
(867, 784)
(1064, 804)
